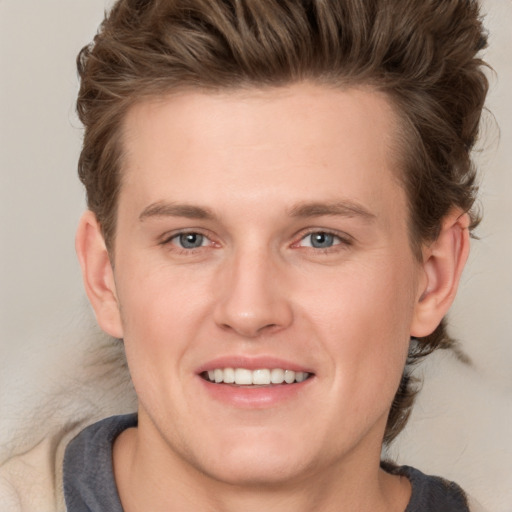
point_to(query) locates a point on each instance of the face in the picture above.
(261, 236)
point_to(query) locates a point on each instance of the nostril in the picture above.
(250, 314)
(250, 330)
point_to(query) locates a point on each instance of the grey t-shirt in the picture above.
(89, 484)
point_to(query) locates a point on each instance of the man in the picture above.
(280, 201)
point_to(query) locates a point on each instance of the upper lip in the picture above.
(252, 363)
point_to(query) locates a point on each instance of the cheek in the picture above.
(364, 318)
(160, 326)
(157, 294)
(365, 298)
(161, 317)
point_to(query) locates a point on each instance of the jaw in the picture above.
(262, 462)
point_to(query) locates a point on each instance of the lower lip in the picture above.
(261, 397)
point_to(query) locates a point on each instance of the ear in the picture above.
(98, 275)
(443, 262)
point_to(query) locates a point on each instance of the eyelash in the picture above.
(343, 241)
(168, 241)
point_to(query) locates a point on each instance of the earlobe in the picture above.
(443, 263)
(98, 275)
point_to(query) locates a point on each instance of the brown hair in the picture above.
(422, 53)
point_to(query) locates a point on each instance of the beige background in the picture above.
(461, 427)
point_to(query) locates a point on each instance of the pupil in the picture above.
(322, 240)
(191, 240)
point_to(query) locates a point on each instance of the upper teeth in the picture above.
(245, 377)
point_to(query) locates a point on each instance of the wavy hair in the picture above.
(423, 54)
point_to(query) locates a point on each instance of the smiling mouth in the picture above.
(260, 377)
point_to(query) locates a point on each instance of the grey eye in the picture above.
(322, 240)
(191, 240)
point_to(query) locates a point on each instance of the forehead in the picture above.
(290, 143)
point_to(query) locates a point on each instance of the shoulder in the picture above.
(97, 437)
(89, 482)
(30, 480)
(433, 493)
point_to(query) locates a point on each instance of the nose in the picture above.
(251, 296)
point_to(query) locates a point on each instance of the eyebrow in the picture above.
(344, 208)
(165, 209)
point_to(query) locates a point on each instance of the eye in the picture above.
(190, 240)
(320, 240)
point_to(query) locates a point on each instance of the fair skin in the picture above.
(264, 230)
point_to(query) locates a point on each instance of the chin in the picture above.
(257, 472)
(252, 462)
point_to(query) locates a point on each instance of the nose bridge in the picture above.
(251, 296)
